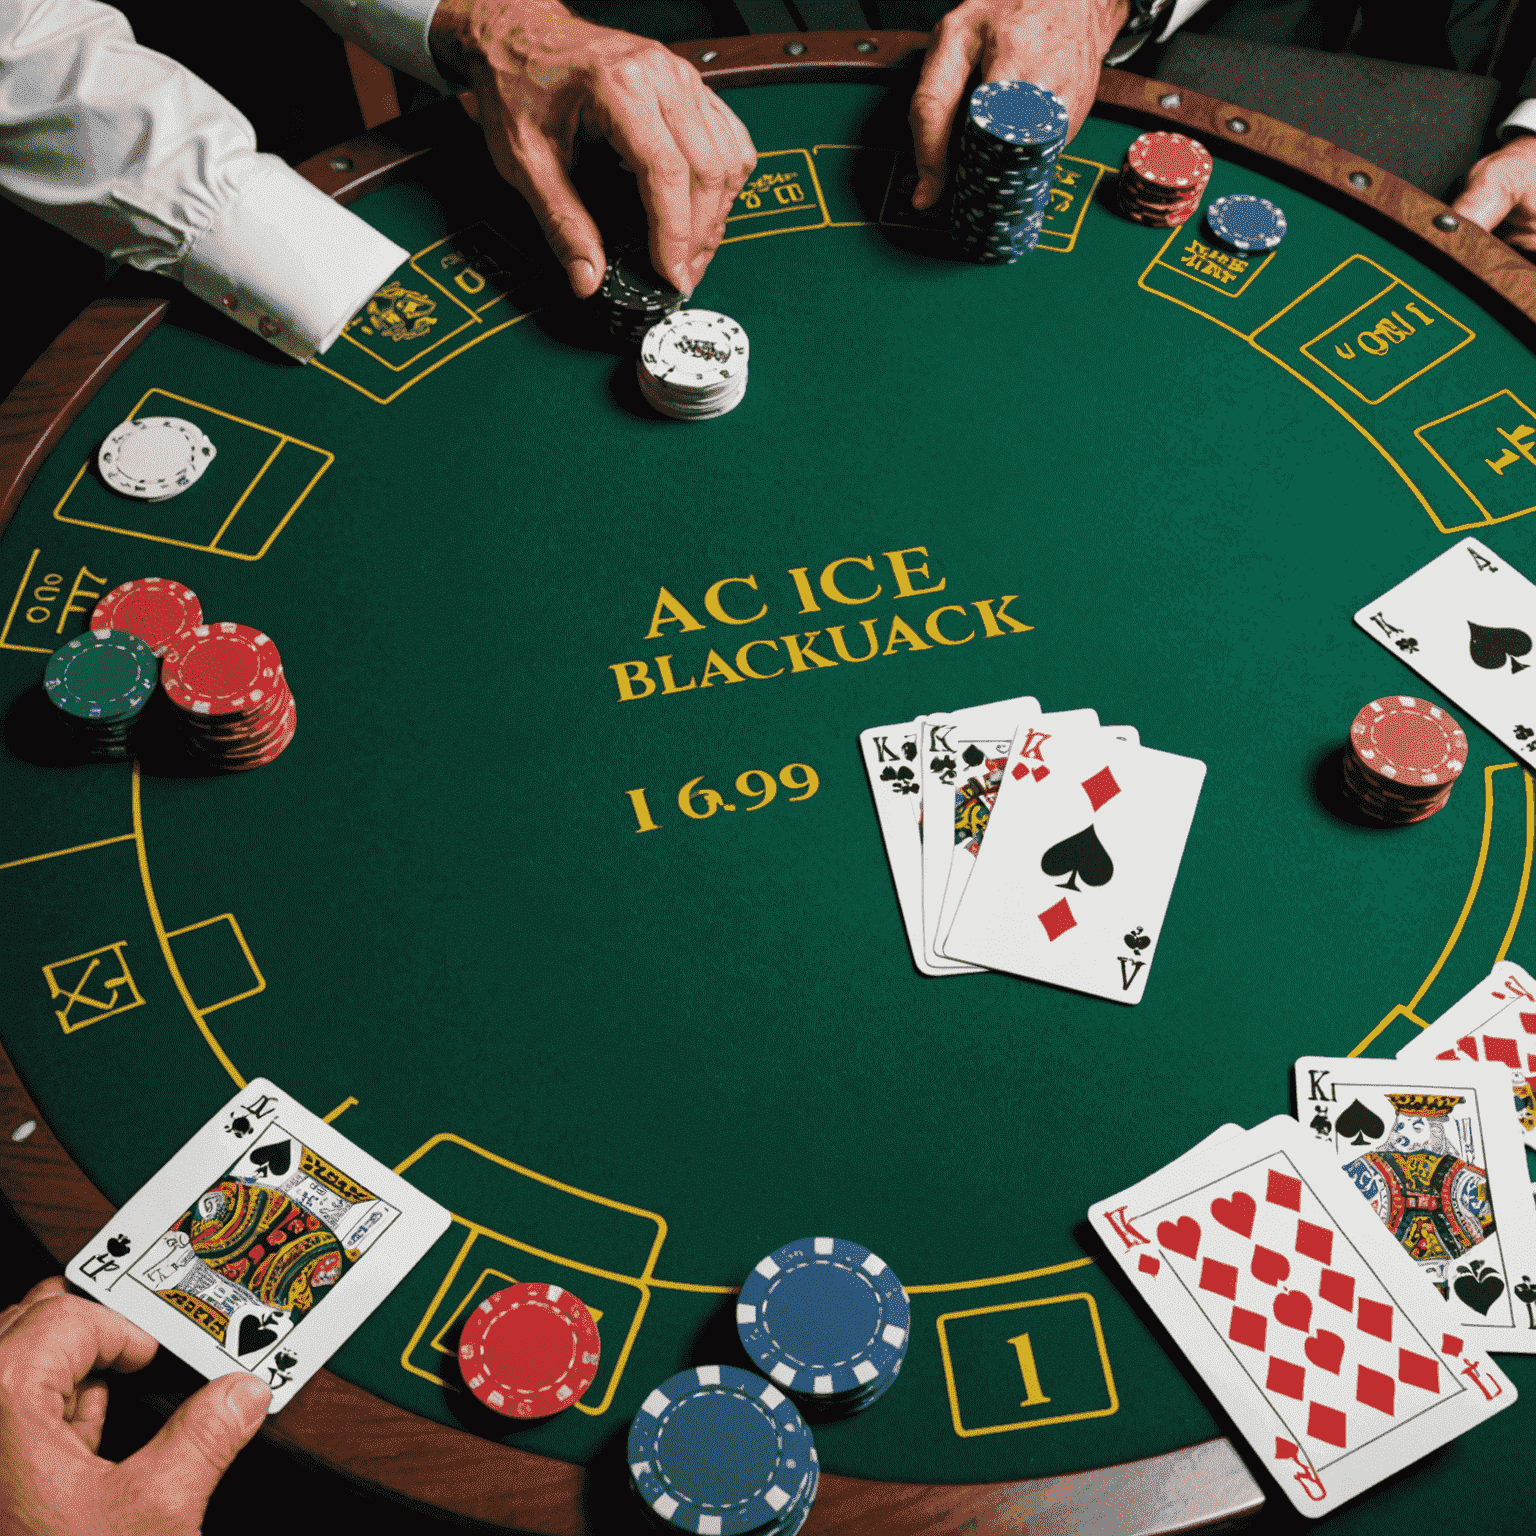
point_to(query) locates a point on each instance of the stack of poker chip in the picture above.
(828, 1321)
(1013, 134)
(632, 298)
(1403, 759)
(1162, 179)
(100, 682)
(226, 684)
(718, 1451)
(529, 1351)
(151, 607)
(1246, 222)
(153, 458)
(693, 365)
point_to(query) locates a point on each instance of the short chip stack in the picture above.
(693, 365)
(632, 297)
(152, 458)
(100, 682)
(828, 1321)
(1246, 222)
(1162, 179)
(227, 685)
(529, 1350)
(1403, 759)
(152, 607)
(1013, 134)
(718, 1451)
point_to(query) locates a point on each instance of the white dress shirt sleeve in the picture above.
(1181, 12)
(393, 31)
(133, 154)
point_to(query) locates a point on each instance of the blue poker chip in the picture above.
(824, 1317)
(719, 1452)
(1245, 222)
(1019, 113)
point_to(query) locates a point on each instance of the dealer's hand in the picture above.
(540, 77)
(53, 1406)
(1500, 195)
(1059, 44)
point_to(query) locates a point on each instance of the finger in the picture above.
(60, 1340)
(89, 1415)
(715, 163)
(52, 1285)
(952, 55)
(1488, 197)
(174, 1475)
(534, 167)
(642, 136)
(471, 104)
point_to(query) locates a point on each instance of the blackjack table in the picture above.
(569, 901)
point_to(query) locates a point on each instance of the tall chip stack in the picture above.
(1013, 134)
(1162, 179)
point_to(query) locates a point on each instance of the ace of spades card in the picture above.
(1073, 880)
(1495, 1021)
(261, 1245)
(1311, 1326)
(1433, 1150)
(1465, 622)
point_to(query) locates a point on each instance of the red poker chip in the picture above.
(220, 669)
(529, 1351)
(151, 607)
(1169, 159)
(1408, 743)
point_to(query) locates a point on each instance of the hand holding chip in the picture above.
(52, 1410)
(540, 78)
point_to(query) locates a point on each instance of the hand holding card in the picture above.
(261, 1245)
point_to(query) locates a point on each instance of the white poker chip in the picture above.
(153, 458)
(693, 365)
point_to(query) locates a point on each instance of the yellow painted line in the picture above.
(59, 853)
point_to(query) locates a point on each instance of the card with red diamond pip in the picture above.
(1303, 1314)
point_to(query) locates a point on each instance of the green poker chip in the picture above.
(104, 675)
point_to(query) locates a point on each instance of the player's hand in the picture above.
(1500, 194)
(53, 1406)
(1059, 44)
(540, 78)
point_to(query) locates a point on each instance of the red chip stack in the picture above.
(227, 686)
(1163, 179)
(1403, 759)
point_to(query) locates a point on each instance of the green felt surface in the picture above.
(637, 1061)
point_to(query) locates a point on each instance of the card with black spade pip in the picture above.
(1073, 880)
(1433, 1150)
(1466, 623)
(261, 1245)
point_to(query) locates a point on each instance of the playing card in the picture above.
(261, 1245)
(1308, 1322)
(1464, 622)
(1073, 880)
(976, 788)
(1433, 1149)
(1495, 1021)
(890, 754)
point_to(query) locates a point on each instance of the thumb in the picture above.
(1488, 197)
(176, 1473)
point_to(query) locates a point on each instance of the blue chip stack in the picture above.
(718, 1451)
(828, 1321)
(1013, 134)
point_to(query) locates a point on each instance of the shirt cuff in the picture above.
(1523, 117)
(1181, 12)
(289, 263)
(395, 32)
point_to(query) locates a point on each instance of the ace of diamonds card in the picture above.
(261, 1245)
